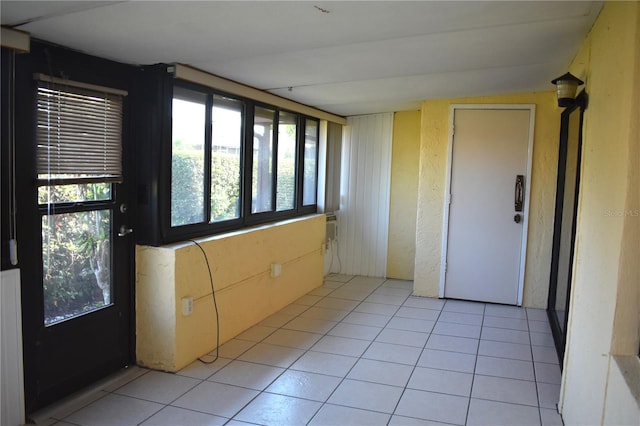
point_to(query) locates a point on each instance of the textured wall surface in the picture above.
(431, 192)
(431, 189)
(155, 301)
(245, 292)
(604, 309)
(405, 162)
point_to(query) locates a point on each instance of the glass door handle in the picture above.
(124, 231)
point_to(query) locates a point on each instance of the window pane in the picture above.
(286, 180)
(226, 141)
(74, 193)
(78, 132)
(76, 260)
(262, 173)
(187, 157)
(309, 183)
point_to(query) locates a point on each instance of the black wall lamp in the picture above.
(567, 85)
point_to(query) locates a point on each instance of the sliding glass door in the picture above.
(565, 222)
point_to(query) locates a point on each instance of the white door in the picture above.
(485, 239)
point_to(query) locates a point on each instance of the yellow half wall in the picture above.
(431, 192)
(246, 293)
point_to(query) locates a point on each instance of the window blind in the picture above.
(79, 133)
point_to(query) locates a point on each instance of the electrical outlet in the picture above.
(187, 306)
(276, 270)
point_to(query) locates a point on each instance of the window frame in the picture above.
(246, 217)
(301, 159)
(209, 128)
(79, 96)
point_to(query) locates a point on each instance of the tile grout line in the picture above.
(286, 369)
(236, 358)
(533, 365)
(169, 404)
(323, 403)
(97, 391)
(304, 352)
(343, 378)
(359, 357)
(405, 387)
(475, 365)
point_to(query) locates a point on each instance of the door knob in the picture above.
(517, 218)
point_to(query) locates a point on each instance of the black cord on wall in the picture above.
(215, 305)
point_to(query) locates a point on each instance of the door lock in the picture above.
(124, 231)
(517, 218)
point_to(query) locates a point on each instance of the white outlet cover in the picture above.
(187, 306)
(276, 270)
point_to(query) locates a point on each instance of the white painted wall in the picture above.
(329, 185)
(332, 260)
(621, 407)
(12, 391)
(364, 195)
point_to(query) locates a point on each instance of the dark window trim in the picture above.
(309, 208)
(559, 331)
(171, 234)
(207, 157)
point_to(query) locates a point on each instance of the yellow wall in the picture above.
(431, 192)
(404, 191)
(245, 293)
(604, 314)
(155, 306)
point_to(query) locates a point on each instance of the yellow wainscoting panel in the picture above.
(245, 291)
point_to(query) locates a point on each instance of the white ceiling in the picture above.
(348, 58)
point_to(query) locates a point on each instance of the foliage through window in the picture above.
(262, 172)
(76, 263)
(187, 168)
(310, 181)
(286, 179)
(235, 163)
(226, 150)
(78, 160)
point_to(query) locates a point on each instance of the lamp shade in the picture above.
(567, 85)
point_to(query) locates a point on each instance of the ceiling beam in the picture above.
(194, 75)
(16, 40)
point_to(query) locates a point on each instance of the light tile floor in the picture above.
(356, 351)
